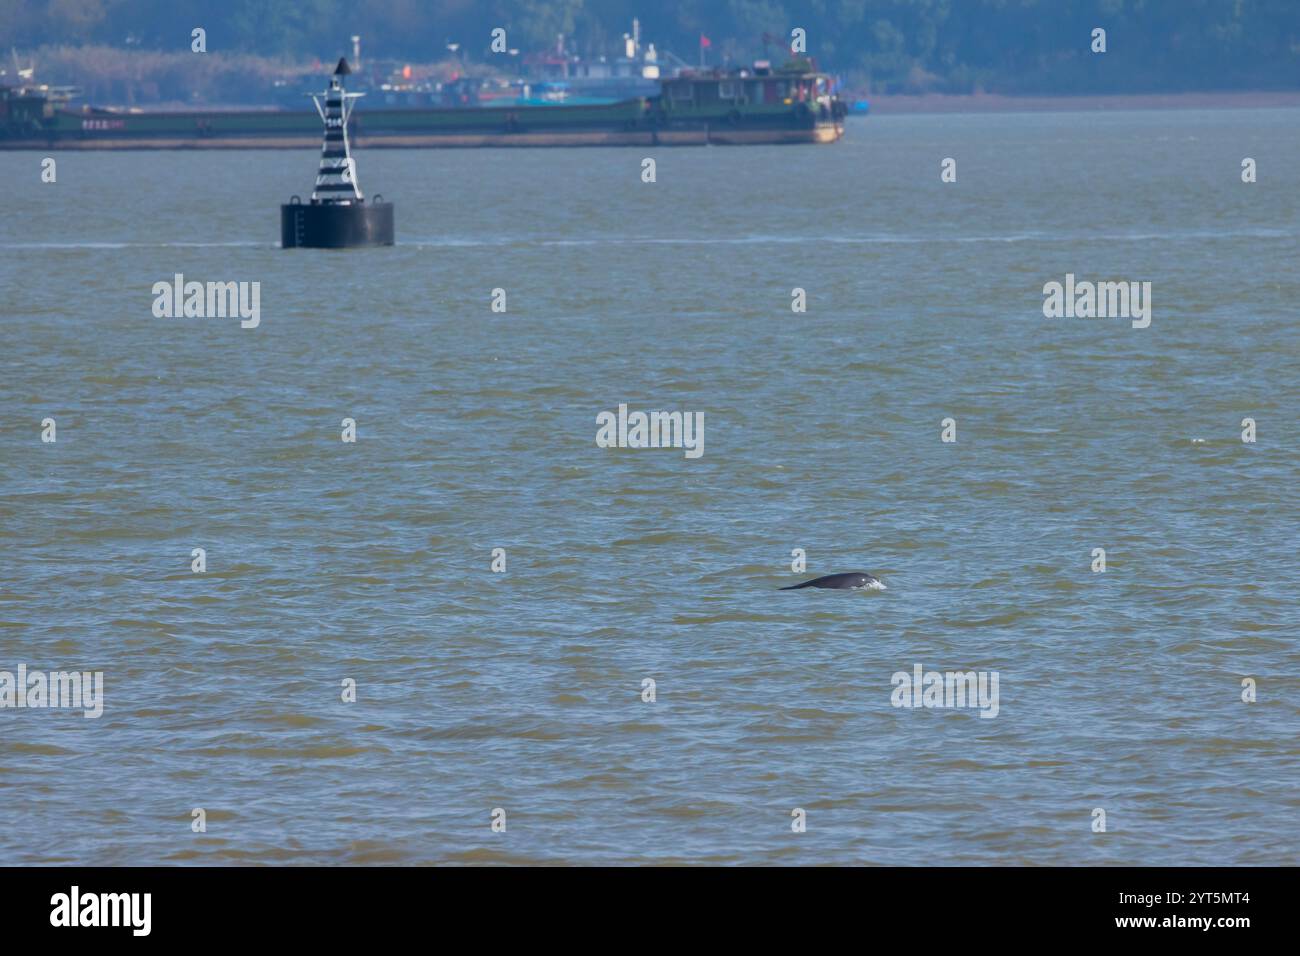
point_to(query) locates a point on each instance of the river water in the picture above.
(371, 561)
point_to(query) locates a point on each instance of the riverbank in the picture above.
(997, 103)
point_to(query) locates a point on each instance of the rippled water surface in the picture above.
(477, 690)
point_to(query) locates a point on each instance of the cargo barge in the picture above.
(792, 104)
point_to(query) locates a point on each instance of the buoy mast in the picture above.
(337, 180)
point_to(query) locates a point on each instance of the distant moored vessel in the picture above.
(793, 103)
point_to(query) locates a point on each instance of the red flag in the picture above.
(705, 41)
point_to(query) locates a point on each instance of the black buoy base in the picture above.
(336, 225)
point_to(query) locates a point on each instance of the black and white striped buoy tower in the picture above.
(338, 216)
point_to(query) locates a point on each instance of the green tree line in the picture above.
(1008, 46)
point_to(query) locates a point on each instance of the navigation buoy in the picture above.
(338, 216)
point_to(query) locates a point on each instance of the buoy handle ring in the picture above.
(295, 201)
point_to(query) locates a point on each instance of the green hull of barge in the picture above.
(693, 110)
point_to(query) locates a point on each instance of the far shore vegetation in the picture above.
(137, 52)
